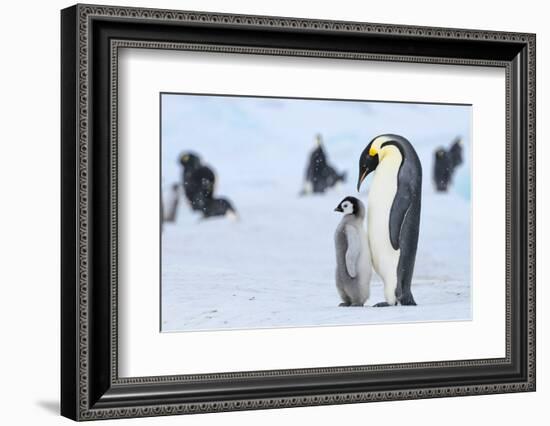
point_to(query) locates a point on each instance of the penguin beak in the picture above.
(339, 209)
(367, 164)
(362, 178)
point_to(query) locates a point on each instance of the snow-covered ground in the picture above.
(275, 266)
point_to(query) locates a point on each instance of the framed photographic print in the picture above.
(263, 212)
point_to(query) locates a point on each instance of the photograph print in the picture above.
(298, 212)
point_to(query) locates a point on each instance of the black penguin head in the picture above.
(318, 156)
(189, 159)
(368, 162)
(440, 152)
(350, 205)
(377, 150)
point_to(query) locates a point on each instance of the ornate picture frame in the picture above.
(91, 37)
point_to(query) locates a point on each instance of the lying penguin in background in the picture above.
(320, 175)
(198, 184)
(445, 163)
(214, 207)
(353, 262)
(394, 213)
(198, 180)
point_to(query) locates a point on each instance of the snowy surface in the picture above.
(275, 266)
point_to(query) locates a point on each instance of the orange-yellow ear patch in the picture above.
(372, 151)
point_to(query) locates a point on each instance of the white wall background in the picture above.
(29, 225)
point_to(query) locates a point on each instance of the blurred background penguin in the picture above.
(320, 175)
(199, 183)
(445, 164)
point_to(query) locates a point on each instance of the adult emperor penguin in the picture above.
(353, 264)
(320, 174)
(198, 180)
(393, 216)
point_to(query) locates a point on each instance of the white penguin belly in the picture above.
(382, 192)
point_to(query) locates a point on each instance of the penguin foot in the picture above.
(345, 304)
(381, 305)
(407, 299)
(357, 304)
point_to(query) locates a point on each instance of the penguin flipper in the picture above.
(409, 189)
(400, 206)
(353, 251)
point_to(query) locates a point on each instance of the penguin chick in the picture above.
(353, 262)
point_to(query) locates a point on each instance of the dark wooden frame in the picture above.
(90, 386)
